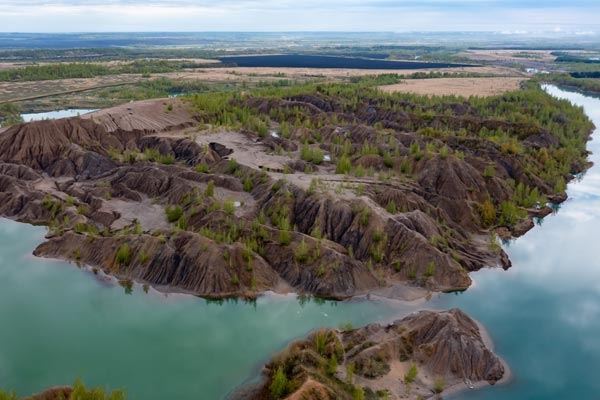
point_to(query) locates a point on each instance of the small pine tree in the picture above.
(279, 384)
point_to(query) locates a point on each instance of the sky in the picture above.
(508, 16)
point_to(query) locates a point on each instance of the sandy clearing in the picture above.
(510, 55)
(466, 87)
(246, 151)
(285, 72)
(150, 216)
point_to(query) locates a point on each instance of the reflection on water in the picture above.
(544, 313)
(71, 112)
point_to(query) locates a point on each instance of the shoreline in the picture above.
(461, 387)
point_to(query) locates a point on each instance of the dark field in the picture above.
(306, 61)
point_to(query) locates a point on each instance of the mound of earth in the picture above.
(418, 356)
(337, 198)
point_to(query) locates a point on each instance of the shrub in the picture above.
(123, 256)
(285, 237)
(182, 223)
(415, 151)
(444, 152)
(489, 172)
(439, 385)
(406, 166)
(311, 154)
(332, 365)
(232, 167)
(167, 159)
(8, 396)
(316, 232)
(494, 245)
(301, 252)
(511, 146)
(346, 326)
(430, 269)
(248, 184)
(229, 207)
(151, 154)
(510, 214)
(320, 342)
(143, 257)
(173, 213)
(202, 168)
(368, 149)
(350, 368)
(388, 160)
(210, 189)
(411, 374)
(80, 392)
(391, 207)
(527, 197)
(343, 165)
(487, 211)
(358, 393)
(560, 186)
(279, 384)
(364, 216)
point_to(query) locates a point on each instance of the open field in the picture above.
(20, 91)
(457, 86)
(509, 55)
(289, 72)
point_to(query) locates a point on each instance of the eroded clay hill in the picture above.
(327, 193)
(419, 356)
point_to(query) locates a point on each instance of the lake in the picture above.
(70, 112)
(60, 322)
(317, 61)
(544, 313)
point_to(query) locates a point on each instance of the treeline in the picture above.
(90, 70)
(154, 88)
(589, 84)
(576, 59)
(581, 74)
(104, 54)
(390, 79)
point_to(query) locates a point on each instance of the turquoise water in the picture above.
(71, 112)
(544, 313)
(58, 322)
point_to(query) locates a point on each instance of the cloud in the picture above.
(288, 15)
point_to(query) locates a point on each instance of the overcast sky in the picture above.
(579, 16)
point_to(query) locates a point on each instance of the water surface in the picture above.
(319, 61)
(59, 323)
(70, 112)
(544, 313)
